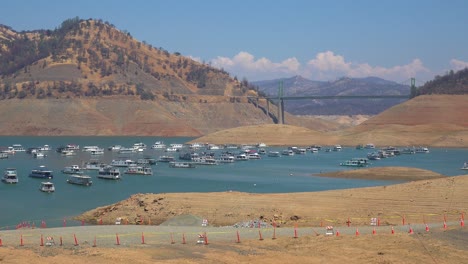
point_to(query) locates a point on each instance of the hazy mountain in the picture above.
(299, 86)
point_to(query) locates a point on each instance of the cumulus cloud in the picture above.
(325, 66)
(458, 64)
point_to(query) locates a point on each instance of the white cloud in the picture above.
(458, 64)
(325, 66)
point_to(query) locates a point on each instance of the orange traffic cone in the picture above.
(411, 230)
(337, 233)
(427, 228)
(462, 222)
(357, 232)
(445, 225)
(393, 231)
(373, 231)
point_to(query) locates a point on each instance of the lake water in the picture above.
(286, 174)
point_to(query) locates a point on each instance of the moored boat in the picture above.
(80, 179)
(353, 163)
(109, 173)
(181, 164)
(41, 172)
(73, 169)
(10, 176)
(465, 166)
(140, 170)
(47, 187)
(93, 165)
(273, 154)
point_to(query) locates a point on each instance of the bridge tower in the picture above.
(413, 90)
(280, 103)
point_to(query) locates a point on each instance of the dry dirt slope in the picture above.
(429, 199)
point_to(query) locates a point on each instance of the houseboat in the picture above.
(10, 176)
(93, 165)
(73, 169)
(109, 173)
(41, 172)
(122, 163)
(80, 179)
(140, 170)
(181, 164)
(47, 187)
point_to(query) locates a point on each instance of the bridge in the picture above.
(280, 99)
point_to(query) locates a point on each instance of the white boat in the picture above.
(18, 148)
(47, 187)
(226, 158)
(41, 172)
(465, 166)
(181, 164)
(370, 146)
(93, 165)
(122, 163)
(139, 147)
(89, 148)
(242, 157)
(124, 150)
(300, 151)
(39, 154)
(422, 150)
(10, 176)
(273, 154)
(158, 145)
(44, 148)
(176, 145)
(114, 148)
(337, 148)
(206, 160)
(80, 179)
(73, 169)
(253, 156)
(3, 155)
(98, 151)
(109, 173)
(171, 149)
(73, 147)
(68, 152)
(287, 152)
(353, 163)
(140, 170)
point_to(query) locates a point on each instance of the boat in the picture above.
(41, 172)
(124, 150)
(73, 169)
(39, 154)
(337, 148)
(18, 148)
(353, 163)
(89, 148)
(262, 151)
(139, 147)
(114, 148)
(273, 154)
(408, 151)
(465, 166)
(98, 151)
(158, 145)
(3, 155)
(47, 187)
(205, 160)
(146, 161)
(422, 150)
(314, 150)
(373, 156)
(10, 176)
(253, 156)
(122, 163)
(287, 152)
(181, 164)
(242, 157)
(176, 145)
(300, 151)
(109, 173)
(68, 152)
(93, 165)
(370, 146)
(73, 147)
(140, 170)
(80, 179)
(226, 158)
(166, 159)
(44, 148)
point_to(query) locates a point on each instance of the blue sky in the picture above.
(269, 39)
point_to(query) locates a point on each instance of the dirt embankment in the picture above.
(426, 198)
(385, 173)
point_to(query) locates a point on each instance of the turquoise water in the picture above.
(286, 174)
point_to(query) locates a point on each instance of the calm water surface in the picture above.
(286, 174)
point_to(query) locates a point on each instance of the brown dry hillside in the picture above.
(432, 120)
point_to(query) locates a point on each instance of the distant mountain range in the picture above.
(299, 86)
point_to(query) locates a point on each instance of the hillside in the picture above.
(451, 83)
(299, 86)
(432, 120)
